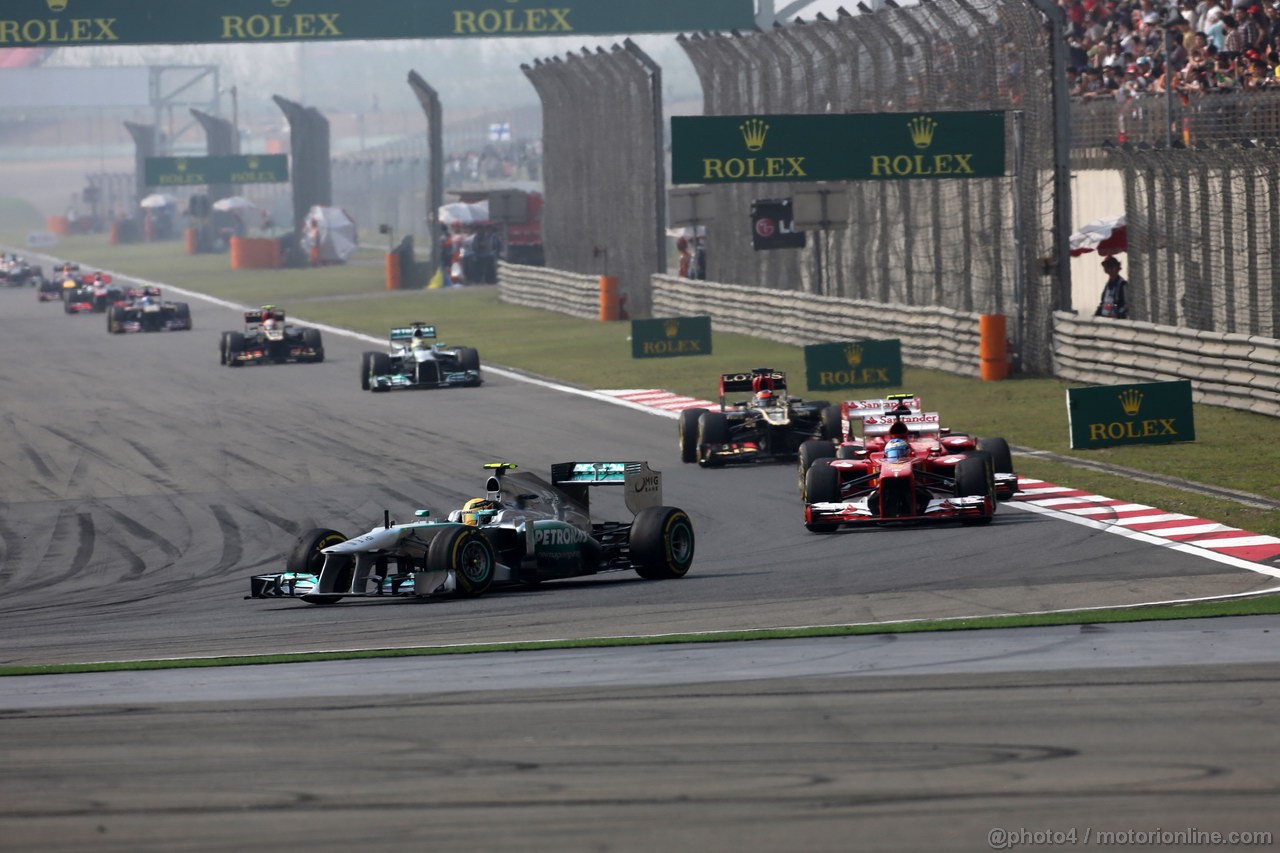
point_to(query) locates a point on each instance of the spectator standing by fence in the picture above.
(1114, 302)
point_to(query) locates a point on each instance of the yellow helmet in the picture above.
(478, 510)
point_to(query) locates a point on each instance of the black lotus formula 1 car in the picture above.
(768, 427)
(268, 336)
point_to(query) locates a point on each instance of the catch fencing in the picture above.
(968, 245)
(1204, 237)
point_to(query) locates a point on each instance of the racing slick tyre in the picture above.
(821, 485)
(849, 451)
(467, 553)
(713, 429)
(66, 306)
(379, 365)
(366, 362)
(1001, 458)
(469, 359)
(832, 427)
(811, 451)
(662, 543)
(182, 312)
(222, 348)
(235, 346)
(311, 338)
(973, 477)
(306, 559)
(115, 320)
(687, 434)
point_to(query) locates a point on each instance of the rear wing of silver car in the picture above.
(643, 485)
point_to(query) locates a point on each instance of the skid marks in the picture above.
(107, 457)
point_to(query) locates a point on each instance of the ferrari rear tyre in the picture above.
(1001, 458)
(713, 431)
(832, 425)
(467, 553)
(366, 362)
(811, 451)
(687, 434)
(662, 543)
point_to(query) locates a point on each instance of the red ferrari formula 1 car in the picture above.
(875, 418)
(904, 474)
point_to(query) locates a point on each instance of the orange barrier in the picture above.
(192, 244)
(58, 225)
(992, 347)
(393, 271)
(254, 253)
(609, 307)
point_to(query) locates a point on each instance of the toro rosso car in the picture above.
(767, 427)
(417, 360)
(905, 474)
(268, 337)
(525, 530)
(145, 311)
(875, 419)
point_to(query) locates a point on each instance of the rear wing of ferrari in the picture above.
(916, 422)
(643, 485)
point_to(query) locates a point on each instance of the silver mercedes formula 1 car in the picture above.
(525, 530)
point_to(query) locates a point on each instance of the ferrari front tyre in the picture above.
(662, 543)
(687, 434)
(973, 478)
(312, 340)
(467, 553)
(366, 360)
(811, 451)
(713, 432)
(822, 483)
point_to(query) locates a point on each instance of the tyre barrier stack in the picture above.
(550, 290)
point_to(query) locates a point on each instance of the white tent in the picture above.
(329, 234)
(462, 213)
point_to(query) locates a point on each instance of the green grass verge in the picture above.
(1261, 605)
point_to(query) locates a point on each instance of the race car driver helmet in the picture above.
(270, 324)
(478, 511)
(765, 398)
(897, 450)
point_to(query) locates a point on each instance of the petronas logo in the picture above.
(921, 129)
(754, 131)
(1131, 400)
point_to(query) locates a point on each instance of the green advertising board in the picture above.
(231, 169)
(671, 336)
(62, 23)
(837, 147)
(1145, 413)
(853, 364)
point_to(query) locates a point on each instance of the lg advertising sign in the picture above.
(773, 226)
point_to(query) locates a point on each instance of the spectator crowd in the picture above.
(1118, 50)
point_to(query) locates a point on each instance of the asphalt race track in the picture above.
(143, 484)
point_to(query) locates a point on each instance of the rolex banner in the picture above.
(1146, 413)
(672, 336)
(837, 147)
(856, 364)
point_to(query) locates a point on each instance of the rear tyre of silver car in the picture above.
(687, 434)
(662, 543)
(466, 552)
